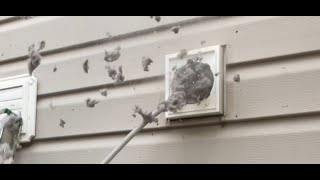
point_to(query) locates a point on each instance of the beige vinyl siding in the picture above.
(271, 114)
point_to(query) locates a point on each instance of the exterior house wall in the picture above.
(272, 114)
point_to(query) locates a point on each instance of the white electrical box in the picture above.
(19, 94)
(213, 82)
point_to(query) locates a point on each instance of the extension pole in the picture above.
(134, 132)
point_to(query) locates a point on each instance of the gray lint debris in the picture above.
(104, 92)
(86, 66)
(34, 56)
(236, 78)
(91, 103)
(55, 69)
(118, 77)
(146, 62)
(62, 123)
(114, 55)
(193, 80)
(111, 72)
(176, 29)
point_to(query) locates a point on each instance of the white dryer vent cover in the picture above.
(211, 59)
(19, 94)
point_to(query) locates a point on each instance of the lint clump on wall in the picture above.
(35, 56)
(115, 75)
(91, 103)
(104, 92)
(146, 62)
(176, 29)
(62, 123)
(111, 56)
(86, 66)
(55, 69)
